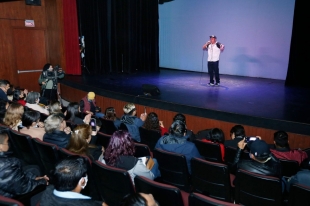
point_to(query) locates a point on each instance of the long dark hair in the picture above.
(72, 111)
(152, 122)
(46, 66)
(121, 143)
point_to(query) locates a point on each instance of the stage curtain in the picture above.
(119, 35)
(71, 36)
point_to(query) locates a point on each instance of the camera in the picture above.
(248, 139)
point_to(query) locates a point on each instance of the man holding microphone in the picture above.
(214, 49)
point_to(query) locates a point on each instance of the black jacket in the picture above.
(59, 138)
(14, 181)
(271, 168)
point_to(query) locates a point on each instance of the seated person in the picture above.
(152, 123)
(80, 142)
(132, 122)
(3, 107)
(261, 162)
(19, 96)
(217, 136)
(56, 131)
(32, 125)
(4, 86)
(72, 113)
(32, 100)
(176, 142)
(55, 107)
(282, 149)
(139, 199)
(302, 177)
(110, 114)
(14, 180)
(88, 105)
(120, 153)
(237, 133)
(189, 133)
(70, 178)
(13, 116)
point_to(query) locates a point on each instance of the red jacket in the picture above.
(221, 146)
(87, 104)
(297, 155)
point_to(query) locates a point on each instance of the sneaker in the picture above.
(217, 84)
(210, 84)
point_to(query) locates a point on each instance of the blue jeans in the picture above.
(155, 169)
(99, 114)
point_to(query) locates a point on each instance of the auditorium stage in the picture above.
(257, 102)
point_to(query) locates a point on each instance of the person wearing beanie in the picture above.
(88, 105)
(132, 122)
(261, 159)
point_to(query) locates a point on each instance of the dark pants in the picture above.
(213, 69)
(50, 94)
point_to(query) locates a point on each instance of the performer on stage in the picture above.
(214, 50)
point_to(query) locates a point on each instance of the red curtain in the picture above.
(71, 36)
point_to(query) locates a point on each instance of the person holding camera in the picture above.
(48, 81)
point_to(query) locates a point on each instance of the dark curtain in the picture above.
(119, 35)
(298, 68)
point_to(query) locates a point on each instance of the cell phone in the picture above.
(248, 139)
(92, 123)
(144, 110)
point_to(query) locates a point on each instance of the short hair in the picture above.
(54, 107)
(152, 122)
(180, 117)
(29, 117)
(110, 113)
(238, 130)
(52, 123)
(120, 143)
(281, 139)
(68, 173)
(32, 97)
(46, 66)
(129, 108)
(217, 135)
(78, 142)
(72, 111)
(3, 136)
(16, 94)
(3, 82)
(178, 128)
(135, 199)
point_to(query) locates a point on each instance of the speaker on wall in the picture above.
(150, 90)
(33, 2)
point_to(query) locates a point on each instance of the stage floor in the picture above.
(254, 97)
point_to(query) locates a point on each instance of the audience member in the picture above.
(3, 107)
(176, 142)
(32, 125)
(32, 100)
(282, 149)
(132, 122)
(19, 96)
(55, 107)
(139, 199)
(119, 153)
(94, 133)
(110, 114)
(88, 105)
(189, 134)
(4, 86)
(302, 177)
(72, 114)
(261, 160)
(10, 92)
(57, 131)
(16, 180)
(217, 136)
(80, 142)
(13, 116)
(70, 178)
(237, 133)
(48, 81)
(152, 122)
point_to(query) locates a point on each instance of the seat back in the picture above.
(103, 139)
(149, 137)
(25, 148)
(5, 201)
(196, 199)
(108, 126)
(299, 195)
(210, 151)
(230, 153)
(48, 154)
(211, 179)
(254, 189)
(164, 194)
(112, 183)
(142, 150)
(289, 167)
(173, 169)
(123, 127)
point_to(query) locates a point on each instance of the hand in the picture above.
(143, 116)
(102, 149)
(67, 130)
(93, 133)
(44, 177)
(89, 112)
(41, 124)
(161, 123)
(26, 91)
(87, 118)
(259, 137)
(242, 144)
(43, 83)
